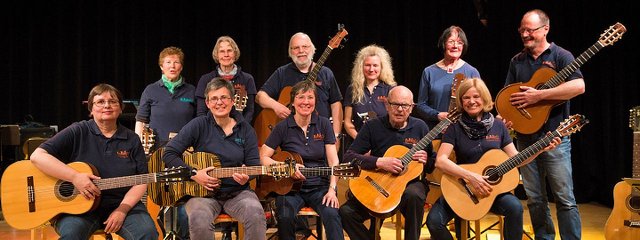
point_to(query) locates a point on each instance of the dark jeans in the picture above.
(287, 207)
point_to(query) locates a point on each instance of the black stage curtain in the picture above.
(57, 50)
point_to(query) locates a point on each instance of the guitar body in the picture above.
(435, 177)
(50, 196)
(456, 195)
(626, 206)
(530, 119)
(282, 186)
(167, 194)
(267, 118)
(386, 196)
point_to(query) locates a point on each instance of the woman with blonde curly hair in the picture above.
(371, 79)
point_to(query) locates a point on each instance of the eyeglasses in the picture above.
(400, 106)
(223, 99)
(452, 43)
(303, 47)
(521, 30)
(103, 103)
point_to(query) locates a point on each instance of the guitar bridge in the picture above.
(525, 113)
(377, 187)
(468, 191)
(633, 224)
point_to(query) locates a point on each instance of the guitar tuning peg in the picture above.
(341, 46)
(345, 39)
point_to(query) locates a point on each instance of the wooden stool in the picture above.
(223, 217)
(309, 212)
(464, 231)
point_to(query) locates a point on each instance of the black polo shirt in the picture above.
(372, 102)
(242, 81)
(120, 155)
(470, 150)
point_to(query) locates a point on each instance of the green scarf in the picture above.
(171, 85)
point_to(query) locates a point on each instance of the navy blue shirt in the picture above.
(523, 66)
(120, 155)
(166, 112)
(205, 135)
(328, 91)
(378, 135)
(372, 102)
(469, 150)
(289, 137)
(242, 82)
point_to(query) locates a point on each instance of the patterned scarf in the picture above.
(228, 76)
(171, 85)
(474, 129)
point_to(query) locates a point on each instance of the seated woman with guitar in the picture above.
(311, 136)
(378, 136)
(227, 135)
(114, 151)
(471, 137)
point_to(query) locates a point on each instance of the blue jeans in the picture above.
(287, 207)
(137, 225)
(555, 167)
(505, 204)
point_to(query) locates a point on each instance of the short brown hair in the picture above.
(101, 88)
(171, 51)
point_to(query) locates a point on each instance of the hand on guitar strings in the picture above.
(527, 96)
(479, 184)
(298, 175)
(241, 178)
(206, 181)
(390, 164)
(420, 156)
(83, 182)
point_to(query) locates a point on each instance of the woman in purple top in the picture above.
(311, 136)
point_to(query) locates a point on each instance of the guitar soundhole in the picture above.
(633, 203)
(493, 179)
(65, 191)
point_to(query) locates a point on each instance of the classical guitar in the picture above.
(268, 184)
(267, 119)
(240, 99)
(502, 173)
(31, 198)
(147, 138)
(530, 119)
(435, 176)
(379, 190)
(168, 194)
(624, 221)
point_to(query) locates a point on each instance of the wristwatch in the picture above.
(334, 187)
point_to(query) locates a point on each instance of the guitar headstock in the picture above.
(174, 174)
(634, 118)
(572, 124)
(457, 80)
(346, 170)
(454, 115)
(147, 139)
(282, 169)
(612, 34)
(335, 41)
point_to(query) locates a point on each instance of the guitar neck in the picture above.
(126, 181)
(228, 172)
(317, 171)
(571, 68)
(426, 140)
(313, 75)
(525, 154)
(636, 155)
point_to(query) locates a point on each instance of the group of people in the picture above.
(377, 114)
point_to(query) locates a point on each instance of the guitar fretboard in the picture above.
(525, 154)
(568, 70)
(317, 171)
(228, 172)
(126, 181)
(636, 155)
(406, 159)
(313, 75)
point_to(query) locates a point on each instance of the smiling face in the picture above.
(453, 46)
(533, 31)
(472, 102)
(226, 54)
(106, 107)
(371, 68)
(304, 103)
(219, 102)
(171, 67)
(301, 50)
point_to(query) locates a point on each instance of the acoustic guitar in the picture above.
(434, 177)
(267, 119)
(148, 139)
(380, 191)
(240, 98)
(530, 119)
(164, 194)
(31, 198)
(502, 173)
(624, 221)
(268, 184)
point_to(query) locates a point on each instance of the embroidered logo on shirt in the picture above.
(122, 153)
(492, 138)
(184, 99)
(318, 136)
(410, 141)
(239, 141)
(382, 99)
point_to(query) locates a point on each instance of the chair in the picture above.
(309, 212)
(223, 217)
(31, 144)
(478, 231)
